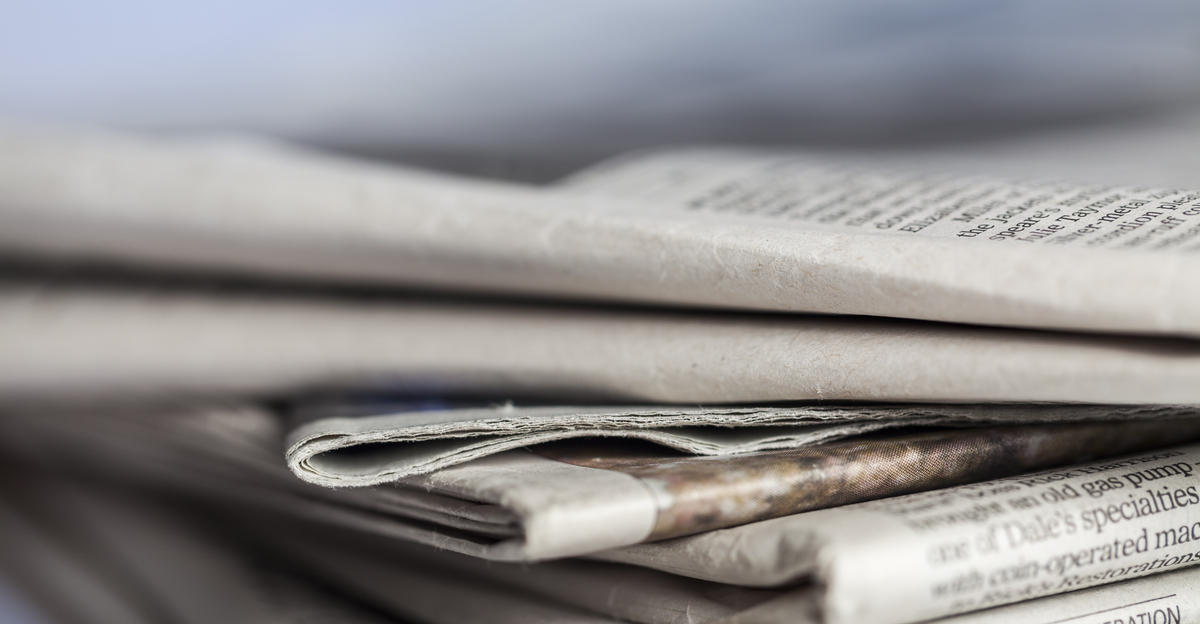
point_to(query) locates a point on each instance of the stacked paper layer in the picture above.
(700, 385)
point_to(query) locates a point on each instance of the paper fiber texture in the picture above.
(939, 553)
(68, 339)
(710, 229)
(357, 445)
(520, 506)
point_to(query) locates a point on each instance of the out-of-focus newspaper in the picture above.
(408, 579)
(74, 338)
(558, 502)
(92, 555)
(725, 229)
(138, 558)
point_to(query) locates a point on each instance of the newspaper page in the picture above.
(556, 502)
(378, 569)
(939, 553)
(359, 443)
(765, 232)
(333, 451)
(442, 587)
(231, 484)
(1167, 598)
(573, 500)
(171, 562)
(71, 339)
(200, 579)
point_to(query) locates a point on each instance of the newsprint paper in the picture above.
(888, 561)
(444, 588)
(78, 339)
(173, 563)
(360, 443)
(970, 547)
(441, 587)
(564, 501)
(778, 232)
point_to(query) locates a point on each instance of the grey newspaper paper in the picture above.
(521, 506)
(722, 229)
(344, 444)
(180, 566)
(175, 563)
(77, 339)
(961, 549)
(444, 588)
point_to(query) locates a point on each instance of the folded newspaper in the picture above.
(732, 507)
(175, 562)
(441, 587)
(90, 340)
(938, 553)
(358, 443)
(558, 502)
(728, 229)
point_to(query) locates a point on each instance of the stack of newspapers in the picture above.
(243, 381)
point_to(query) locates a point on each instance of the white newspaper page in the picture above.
(356, 452)
(722, 229)
(359, 445)
(961, 549)
(1167, 598)
(87, 342)
(364, 565)
(555, 502)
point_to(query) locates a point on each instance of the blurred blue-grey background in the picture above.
(534, 88)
